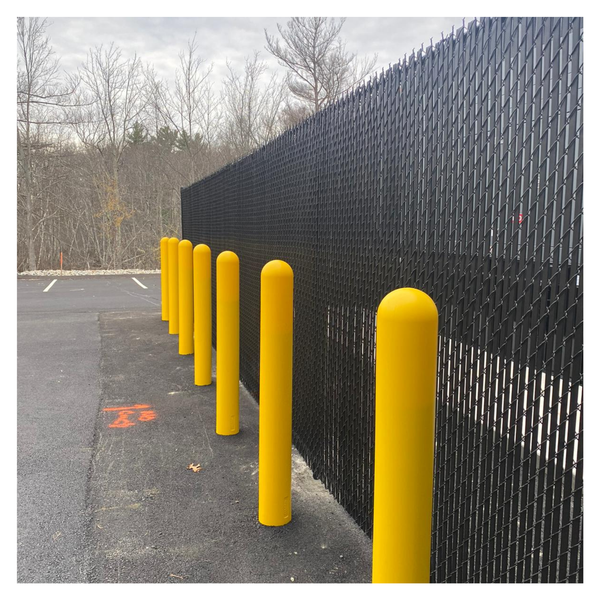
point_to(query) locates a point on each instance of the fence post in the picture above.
(275, 408)
(228, 343)
(173, 285)
(405, 375)
(164, 277)
(186, 298)
(202, 316)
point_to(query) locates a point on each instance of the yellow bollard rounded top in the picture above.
(278, 269)
(185, 254)
(408, 304)
(173, 240)
(228, 256)
(165, 238)
(201, 249)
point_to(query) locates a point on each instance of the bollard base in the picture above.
(275, 523)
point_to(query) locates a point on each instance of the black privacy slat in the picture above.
(458, 171)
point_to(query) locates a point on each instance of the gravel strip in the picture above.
(57, 273)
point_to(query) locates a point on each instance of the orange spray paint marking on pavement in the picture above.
(147, 415)
(124, 412)
(122, 419)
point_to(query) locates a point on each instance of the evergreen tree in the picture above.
(166, 138)
(186, 141)
(138, 135)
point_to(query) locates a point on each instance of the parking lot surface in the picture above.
(109, 423)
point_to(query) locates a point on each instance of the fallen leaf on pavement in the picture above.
(194, 467)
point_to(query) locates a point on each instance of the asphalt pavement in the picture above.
(109, 423)
(58, 389)
(92, 293)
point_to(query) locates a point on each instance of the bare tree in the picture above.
(253, 109)
(110, 102)
(39, 92)
(190, 109)
(103, 152)
(293, 113)
(320, 68)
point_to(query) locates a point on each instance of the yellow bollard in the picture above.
(228, 343)
(202, 316)
(405, 375)
(186, 298)
(164, 277)
(275, 408)
(173, 285)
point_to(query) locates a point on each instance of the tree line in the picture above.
(103, 152)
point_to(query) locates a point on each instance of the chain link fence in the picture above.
(458, 171)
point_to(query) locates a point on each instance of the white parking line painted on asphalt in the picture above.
(53, 282)
(140, 284)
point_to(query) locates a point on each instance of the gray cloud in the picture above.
(158, 41)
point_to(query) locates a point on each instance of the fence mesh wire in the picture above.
(458, 171)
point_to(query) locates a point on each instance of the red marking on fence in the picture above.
(124, 412)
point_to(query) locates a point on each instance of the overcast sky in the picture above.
(159, 41)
